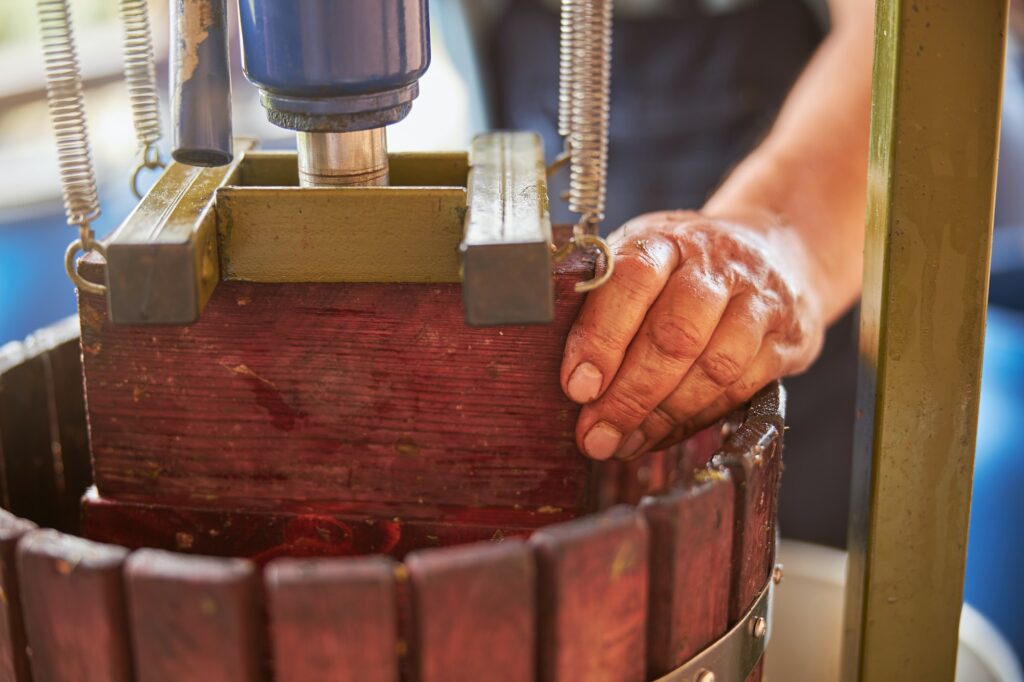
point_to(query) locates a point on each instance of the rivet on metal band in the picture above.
(732, 657)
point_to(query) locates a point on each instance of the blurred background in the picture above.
(34, 290)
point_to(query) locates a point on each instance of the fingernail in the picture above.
(632, 445)
(602, 440)
(585, 383)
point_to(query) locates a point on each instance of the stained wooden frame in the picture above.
(156, 609)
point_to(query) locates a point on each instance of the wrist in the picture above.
(785, 250)
(763, 194)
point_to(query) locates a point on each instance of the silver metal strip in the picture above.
(732, 657)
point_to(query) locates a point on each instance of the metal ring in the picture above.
(585, 240)
(72, 267)
(150, 161)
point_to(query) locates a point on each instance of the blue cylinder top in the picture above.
(333, 48)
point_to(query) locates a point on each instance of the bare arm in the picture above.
(706, 308)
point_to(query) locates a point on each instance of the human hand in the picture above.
(701, 313)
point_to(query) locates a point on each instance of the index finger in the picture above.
(612, 315)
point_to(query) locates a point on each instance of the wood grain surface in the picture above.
(330, 530)
(69, 429)
(73, 599)
(333, 619)
(29, 477)
(691, 550)
(473, 613)
(195, 618)
(14, 665)
(753, 457)
(315, 393)
(592, 598)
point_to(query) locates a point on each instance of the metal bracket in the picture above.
(162, 263)
(506, 250)
(733, 656)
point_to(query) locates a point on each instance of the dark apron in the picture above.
(692, 93)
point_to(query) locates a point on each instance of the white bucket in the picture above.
(808, 623)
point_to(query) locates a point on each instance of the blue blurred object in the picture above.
(995, 547)
(995, 551)
(323, 65)
(34, 289)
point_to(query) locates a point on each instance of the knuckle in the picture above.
(659, 422)
(676, 337)
(636, 272)
(604, 341)
(627, 405)
(723, 368)
(743, 389)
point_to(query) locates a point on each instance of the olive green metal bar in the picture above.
(935, 133)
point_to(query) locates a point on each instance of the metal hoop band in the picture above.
(733, 656)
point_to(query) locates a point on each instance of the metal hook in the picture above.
(563, 159)
(585, 241)
(85, 243)
(72, 267)
(150, 160)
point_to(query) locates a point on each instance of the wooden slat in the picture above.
(473, 613)
(592, 597)
(29, 481)
(753, 455)
(337, 530)
(333, 619)
(645, 475)
(691, 548)
(72, 431)
(73, 599)
(69, 439)
(14, 665)
(694, 454)
(193, 615)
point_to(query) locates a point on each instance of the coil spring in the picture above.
(140, 71)
(67, 113)
(140, 74)
(585, 56)
(590, 90)
(565, 66)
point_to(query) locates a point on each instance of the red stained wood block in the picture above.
(330, 530)
(194, 616)
(306, 394)
(694, 453)
(73, 598)
(333, 619)
(473, 613)
(691, 548)
(592, 596)
(14, 665)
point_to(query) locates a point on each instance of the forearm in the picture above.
(806, 183)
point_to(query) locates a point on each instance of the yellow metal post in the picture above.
(935, 132)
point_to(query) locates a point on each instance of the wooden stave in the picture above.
(738, 461)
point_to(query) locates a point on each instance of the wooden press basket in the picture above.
(626, 594)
